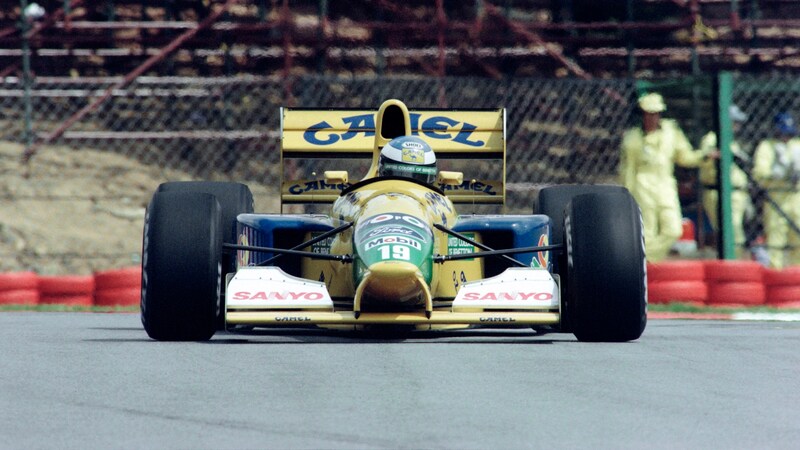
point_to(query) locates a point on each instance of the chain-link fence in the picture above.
(760, 99)
(559, 131)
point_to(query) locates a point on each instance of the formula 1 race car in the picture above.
(392, 252)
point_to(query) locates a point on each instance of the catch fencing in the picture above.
(559, 130)
(228, 128)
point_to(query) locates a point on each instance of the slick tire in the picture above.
(234, 199)
(606, 284)
(182, 266)
(552, 202)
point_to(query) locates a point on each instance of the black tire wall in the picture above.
(607, 287)
(234, 199)
(181, 266)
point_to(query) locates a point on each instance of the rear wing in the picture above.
(464, 134)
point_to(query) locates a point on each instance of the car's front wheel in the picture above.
(234, 199)
(606, 283)
(181, 266)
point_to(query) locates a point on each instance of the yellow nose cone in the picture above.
(393, 282)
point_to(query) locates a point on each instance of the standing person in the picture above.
(647, 169)
(776, 167)
(740, 199)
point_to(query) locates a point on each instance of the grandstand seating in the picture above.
(495, 38)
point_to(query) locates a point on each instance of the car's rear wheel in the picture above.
(181, 266)
(234, 199)
(607, 287)
(552, 201)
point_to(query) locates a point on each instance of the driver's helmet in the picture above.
(410, 157)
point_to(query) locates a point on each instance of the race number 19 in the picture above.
(395, 252)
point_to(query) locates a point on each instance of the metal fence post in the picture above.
(26, 72)
(723, 93)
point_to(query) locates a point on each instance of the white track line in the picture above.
(770, 317)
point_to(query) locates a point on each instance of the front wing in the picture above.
(267, 296)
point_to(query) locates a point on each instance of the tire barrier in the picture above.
(783, 287)
(690, 291)
(734, 294)
(735, 283)
(19, 288)
(118, 287)
(683, 270)
(728, 283)
(718, 283)
(734, 270)
(69, 290)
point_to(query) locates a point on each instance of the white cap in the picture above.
(652, 103)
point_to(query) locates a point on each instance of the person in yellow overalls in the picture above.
(776, 166)
(740, 199)
(647, 169)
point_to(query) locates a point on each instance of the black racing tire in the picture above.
(181, 266)
(234, 199)
(606, 268)
(552, 201)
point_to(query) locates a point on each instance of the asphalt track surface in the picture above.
(86, 380)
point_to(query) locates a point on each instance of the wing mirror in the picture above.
(448, 178)
(335, 176)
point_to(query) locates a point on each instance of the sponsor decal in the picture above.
(293, 319)
(398, 220)
(456, 246)
(477, 186)
(413, 145)
(435, 127)
(514, 295)
(275, 295)
(315, 185)
(438, 203)
(393, 237)
(456, 278)
(323, 246)
(396, 168)
(413, 155)
(392, 229)
(393, 240)
(540, 259)
(243, 256)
